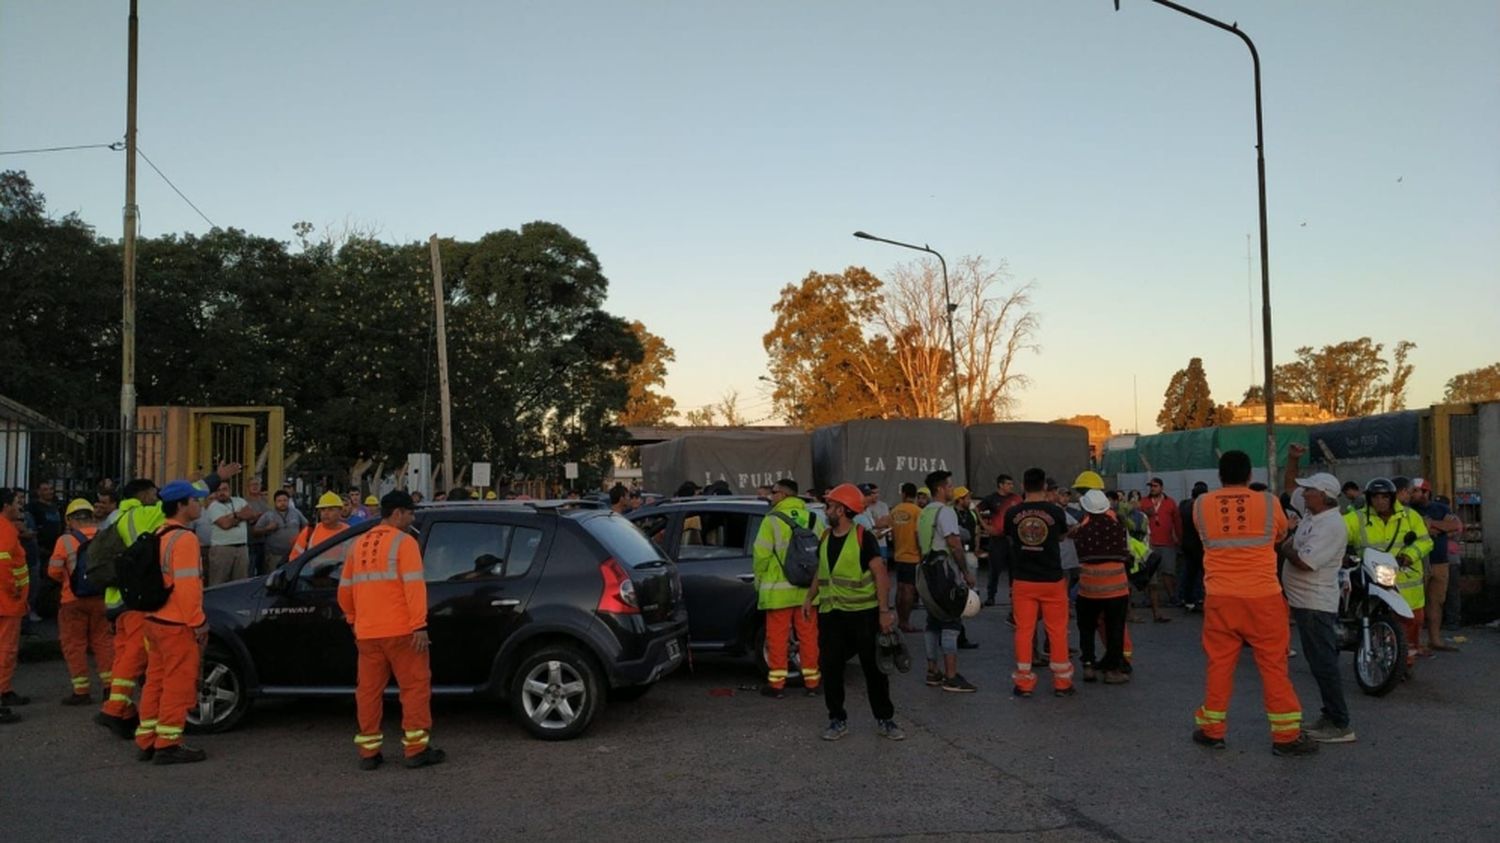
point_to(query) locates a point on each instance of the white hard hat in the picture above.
(1095, 502)
(971, 607)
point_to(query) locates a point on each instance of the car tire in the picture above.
(556, 691)
(223, 696)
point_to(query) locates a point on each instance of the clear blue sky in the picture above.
(712, 152)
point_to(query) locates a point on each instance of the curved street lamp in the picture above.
(949, 307)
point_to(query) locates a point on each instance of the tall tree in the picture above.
(1482, 384)
(647, 405)
(823, 366)
(1188, 405)
(1348, 379)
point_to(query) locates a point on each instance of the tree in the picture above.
(1189, 406)
(646, 406)
(1347, 379)
(729, 409)
(824, 368)
(1482, 384)
(700, 417)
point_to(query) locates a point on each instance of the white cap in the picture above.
(1323, 482)
(1094, 502)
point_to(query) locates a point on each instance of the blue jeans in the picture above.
(1320, 645)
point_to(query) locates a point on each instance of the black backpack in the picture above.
(940, 582)
(79, 581)
(800, 564)
(138, 572)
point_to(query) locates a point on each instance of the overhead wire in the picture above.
(164, 178)
(116, 146)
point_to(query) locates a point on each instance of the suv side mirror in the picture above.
(278, 582)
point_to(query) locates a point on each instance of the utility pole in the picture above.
(444, 401)
(127, 317)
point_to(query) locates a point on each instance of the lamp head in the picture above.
(863, 236)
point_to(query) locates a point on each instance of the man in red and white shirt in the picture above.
(1164, 536)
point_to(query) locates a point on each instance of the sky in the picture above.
(713, 152)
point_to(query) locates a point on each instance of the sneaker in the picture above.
(1116, 677)
(1326, 732)
(1291, 654)
(426, 758)
(958, 684)
(1011, 620)
(179, 754)
(889, 730)
(372, 763)
(1090, 674)
(122, 727)
(78, 699)
(1303, 745)
(934, 678)
(836, 729)
(966, 644)
(901, 656)
(1202, 739)
(145, 754)
(772, 692)
(814, 691)
(1017, 691)
(989, 601)
(8, 716)
(10, 698)
(1065, 692)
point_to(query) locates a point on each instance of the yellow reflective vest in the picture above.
(843, 586)
(771, 540)
(1366, 529)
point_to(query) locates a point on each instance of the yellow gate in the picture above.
(222, 438)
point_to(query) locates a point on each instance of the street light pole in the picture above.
(1265, 268)
(948, 308)
(127, 316)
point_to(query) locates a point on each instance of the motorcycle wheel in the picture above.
(1379, 669)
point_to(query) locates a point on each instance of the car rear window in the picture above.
(622, 540)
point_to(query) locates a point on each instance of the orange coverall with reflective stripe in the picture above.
(1244, 605)
(81, 625)
(15, 585)
(384, 598)
(172, 652)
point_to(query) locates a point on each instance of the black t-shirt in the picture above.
(868, 549)
(1192, 543)
(49, 524)
(1034, 529)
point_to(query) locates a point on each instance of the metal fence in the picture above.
(78, 462)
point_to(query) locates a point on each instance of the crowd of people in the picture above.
(1250, 563)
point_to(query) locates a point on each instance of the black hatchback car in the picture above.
(710, 538)
(549, 606)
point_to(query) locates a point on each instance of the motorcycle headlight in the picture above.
(1385, 575)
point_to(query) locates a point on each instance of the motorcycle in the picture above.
(1368, 621)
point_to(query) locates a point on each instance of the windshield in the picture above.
(622, 540)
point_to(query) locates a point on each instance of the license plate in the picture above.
(674, 650)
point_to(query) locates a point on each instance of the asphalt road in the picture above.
(688, 763)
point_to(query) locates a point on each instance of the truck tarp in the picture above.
(744, 460)
(887, 453)
(1386, 435)
(1012, 447)
(1189, 450)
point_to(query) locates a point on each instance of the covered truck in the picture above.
(887, 452)
(744, 459)
(1062, 450)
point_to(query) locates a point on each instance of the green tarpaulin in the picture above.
(1189, 450)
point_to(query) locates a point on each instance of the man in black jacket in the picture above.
(1192, 554)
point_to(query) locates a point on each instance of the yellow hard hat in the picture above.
(961, 492)
(78, 505)
(371, 500)
(924, 491)
(490, 495)
(330, 500)
(1089, 480)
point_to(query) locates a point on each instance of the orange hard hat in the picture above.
(849, 496)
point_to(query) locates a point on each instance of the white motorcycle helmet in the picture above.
(972, 606)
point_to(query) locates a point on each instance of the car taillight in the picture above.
(618, 597)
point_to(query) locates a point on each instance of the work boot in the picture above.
(426, 758)
(10, 698)
(889, 730)
(1018, 691)
(1202, 739)
(78, 699)
(1116, 677)
(372, 762)
(1090, 674)
(8, 716)
(836, 729)
(1303, 745)
(812, 691)
(122, 727)
(179, 754)
(145, 754)
(772, 692)
(1065, 692)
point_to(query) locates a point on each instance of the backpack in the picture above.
(139, 576)
(800, 563)
(940, 582)
(104, 553)
(79, 581)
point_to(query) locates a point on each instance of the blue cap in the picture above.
(181, 490)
